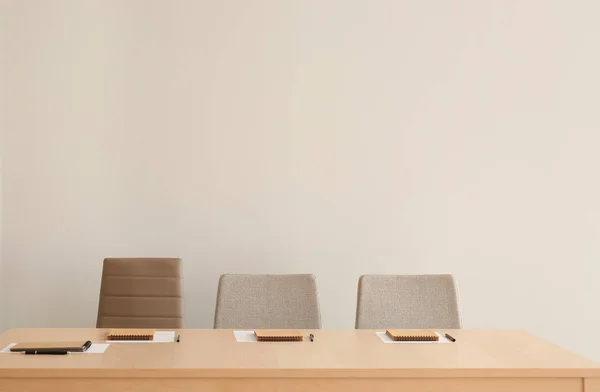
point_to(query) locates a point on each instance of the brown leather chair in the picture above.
(141, 293)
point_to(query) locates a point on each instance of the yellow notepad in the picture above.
(412, 335)
(131, 334)
(277, 335)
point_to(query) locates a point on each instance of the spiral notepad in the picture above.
(277, 335)
(131, 334)
(412, 335)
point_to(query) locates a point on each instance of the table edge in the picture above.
(298, 373)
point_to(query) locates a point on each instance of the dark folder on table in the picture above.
(74, 347)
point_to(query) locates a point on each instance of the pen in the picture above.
(450, 338)
(178, 338)
(311, 337)
(46, 352)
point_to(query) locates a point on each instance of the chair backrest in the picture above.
(141, 293)
(407, 301)
(267, 302)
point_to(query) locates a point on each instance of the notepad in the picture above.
(412, 335)
(130, 334)
(159, 337)
(386, 339)
(277, 335)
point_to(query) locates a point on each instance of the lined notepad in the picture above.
(412, 335)
(131, 334)
(277, 335)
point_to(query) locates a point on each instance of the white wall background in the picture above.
(334, 137)
(3, 124)
(2, 291)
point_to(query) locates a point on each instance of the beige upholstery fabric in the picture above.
(407, 301)
(141, 293)
(267, 302)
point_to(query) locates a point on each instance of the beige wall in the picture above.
(2, 290)
(3, 124)
(337, 137)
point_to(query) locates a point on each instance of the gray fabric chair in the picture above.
(267, 302)
(407, 301)
(141, 293)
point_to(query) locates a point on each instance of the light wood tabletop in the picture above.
(502, 356)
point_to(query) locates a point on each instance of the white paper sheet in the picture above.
(245, 336)
(159, 337)
(95, 348)
(386, 339)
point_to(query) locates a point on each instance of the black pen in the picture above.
(311, 337)
(450, 338)
(46, 352)
(178, 338)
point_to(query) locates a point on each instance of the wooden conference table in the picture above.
(338, 360)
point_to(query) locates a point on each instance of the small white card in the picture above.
(95, 348)
(386, 339)
(245, 336)
(159, 337)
